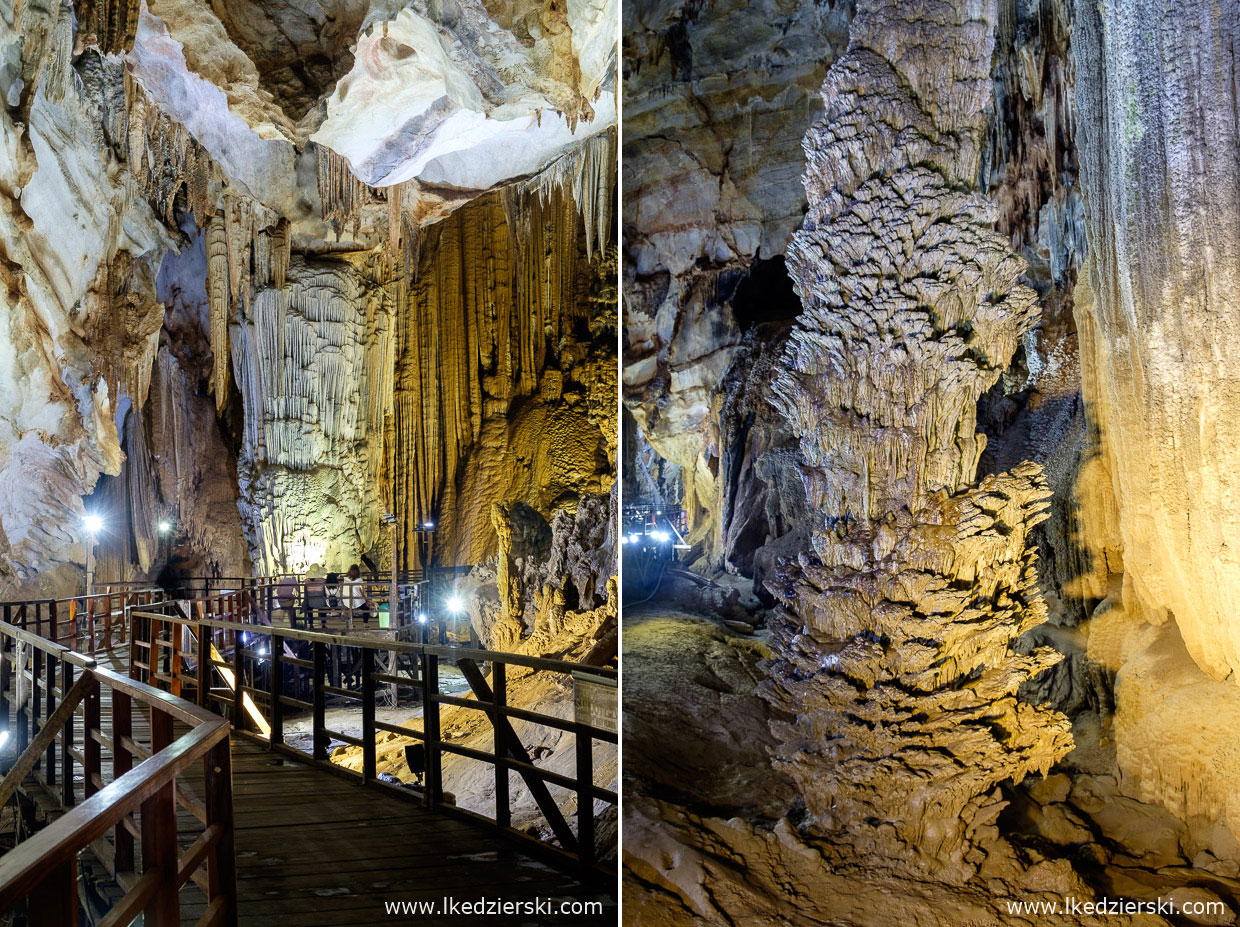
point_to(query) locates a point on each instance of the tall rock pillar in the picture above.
(894, 673)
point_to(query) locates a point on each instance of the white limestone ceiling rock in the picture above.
(216, 97)
(450, 97)
(442, 95)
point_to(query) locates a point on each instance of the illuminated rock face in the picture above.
(1160, 378)
(893, 650)
(79, 324)
(313, 361)
(506, 373)
(1158, 319)
(177, 248)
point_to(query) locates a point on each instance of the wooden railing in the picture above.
(265, 602)
(52, 703)
(85, 624)
(258, 676)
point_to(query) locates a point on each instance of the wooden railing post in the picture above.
(503, 813)
(430, 727)
(106, 640)
(92, 774)
(54, 901)
(20, 718)
(174, 658)
(319, 700)
(36, 692)
(49, 674)
(52, 614)
(585, 799)
(221, 863)
(6, 680)
(159, 836)
(66, 741)
(204, 666)
(368, 714)
(239, 678)
(277, 689)
(122, 762)
(133, 655)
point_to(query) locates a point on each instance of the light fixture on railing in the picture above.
(422, 617)
(92, 523)
(165, 527)
(455, 605)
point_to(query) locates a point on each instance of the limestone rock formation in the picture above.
(704, 200)
(313, 361)
(505, 364)
(893, 650)
(554, 585)
(1163, 215)
(223, 204)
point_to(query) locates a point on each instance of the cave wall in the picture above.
(1157, 84)
(506, 366)
(703, 202)
(1163, 213)
(80, 320)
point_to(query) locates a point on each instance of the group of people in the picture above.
(346, 594)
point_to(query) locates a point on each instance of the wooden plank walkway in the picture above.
(316, 850)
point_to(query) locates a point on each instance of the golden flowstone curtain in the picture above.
(495, 289)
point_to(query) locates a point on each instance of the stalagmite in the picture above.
(893, 652)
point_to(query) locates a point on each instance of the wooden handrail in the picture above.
(23, 867)
(440, 650)
(223, 652)
(36, 868)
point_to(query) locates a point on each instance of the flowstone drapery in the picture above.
(894, 667)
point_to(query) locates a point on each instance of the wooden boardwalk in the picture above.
(314, 849)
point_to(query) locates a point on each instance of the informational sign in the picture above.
(594, 701)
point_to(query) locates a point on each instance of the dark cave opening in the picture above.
(765, 294)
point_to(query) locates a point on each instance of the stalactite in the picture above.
(313, 363)
(59, 60)
(281, 242)
(586, 177)
(491, 295)
(37, 21)
(341, 193)
(116, 23)
(166, 158)
(218, 302)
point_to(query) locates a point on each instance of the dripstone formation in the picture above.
(222, 273)
(894, 673)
